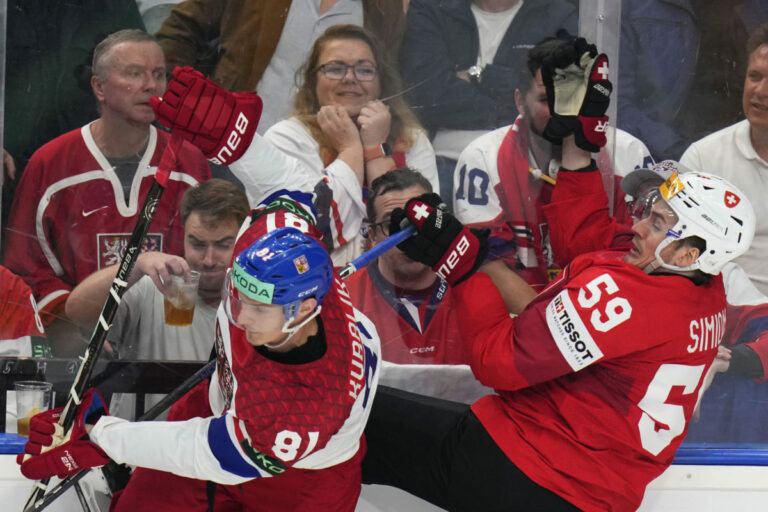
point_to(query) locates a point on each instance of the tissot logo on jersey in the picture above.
(570, 333)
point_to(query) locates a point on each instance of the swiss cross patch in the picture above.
(731, 199)
(600, 71)
(420, 211)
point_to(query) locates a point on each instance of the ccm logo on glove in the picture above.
(233, 140)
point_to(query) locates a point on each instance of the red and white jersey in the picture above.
(414, 329)
(494, 187)
(19, 320)
(634, 347)
(267, 416)
(70, 218)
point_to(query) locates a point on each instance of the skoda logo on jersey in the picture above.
(250, 286)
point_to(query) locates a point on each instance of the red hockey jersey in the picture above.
(415, 329)
(265, 417)
(598, 377)
(70, 218)
(274, 415)
(19, 320)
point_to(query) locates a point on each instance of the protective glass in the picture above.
(338, 70)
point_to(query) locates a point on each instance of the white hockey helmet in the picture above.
(711, 208)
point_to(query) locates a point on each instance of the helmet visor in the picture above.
(238, 311)
(640, 207)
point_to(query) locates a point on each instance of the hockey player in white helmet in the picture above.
(597, 379)
(711, 214)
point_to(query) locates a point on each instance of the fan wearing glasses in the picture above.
(351, 122)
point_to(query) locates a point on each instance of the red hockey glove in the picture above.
(441, 241)
(578, 92)
(49, 452)
(219, 122)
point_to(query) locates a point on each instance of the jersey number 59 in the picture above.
(615, 311)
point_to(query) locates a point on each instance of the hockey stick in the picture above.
(375, 251)
(182, 389)
(80, 384)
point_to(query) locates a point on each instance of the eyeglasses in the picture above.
(382, 226)
(338, 70)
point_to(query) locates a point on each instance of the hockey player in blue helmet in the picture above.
(276, 287)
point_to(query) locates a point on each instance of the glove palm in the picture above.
(578, 92)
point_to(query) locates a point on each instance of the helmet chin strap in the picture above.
(290, 331)
(658, 262)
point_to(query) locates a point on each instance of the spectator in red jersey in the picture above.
(79, 197)
(21, 331)
(410, 305)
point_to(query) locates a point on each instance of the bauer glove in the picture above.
(578, 92)
(50, 453)
(219, 122)
(441, 241)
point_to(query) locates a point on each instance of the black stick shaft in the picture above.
(132, 251)
(182, 389)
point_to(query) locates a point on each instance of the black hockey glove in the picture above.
(441, 241)
(578, 92)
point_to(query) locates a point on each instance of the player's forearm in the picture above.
(573, 156)
(178, 447)
(514, 290)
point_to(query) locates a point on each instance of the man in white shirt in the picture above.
(212, 213)
(739, 153)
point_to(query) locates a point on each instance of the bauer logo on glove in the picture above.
(441, 241)
(219, 122)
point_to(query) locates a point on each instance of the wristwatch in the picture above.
(381, 151)
(474, 73)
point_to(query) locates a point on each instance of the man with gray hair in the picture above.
(78, 199)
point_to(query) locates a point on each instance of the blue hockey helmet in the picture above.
(285, 266)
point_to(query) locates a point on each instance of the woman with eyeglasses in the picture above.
(350, 119)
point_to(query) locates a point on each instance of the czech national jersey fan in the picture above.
(79, 197)
(279, 425)
(598, 377)
(21, 331)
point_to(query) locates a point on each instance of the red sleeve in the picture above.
(749, 325)
(24, 255)
(18, 313)
(507, 353)
(578, 217)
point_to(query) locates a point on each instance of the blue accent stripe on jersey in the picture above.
(226, 452)
(753, 328)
